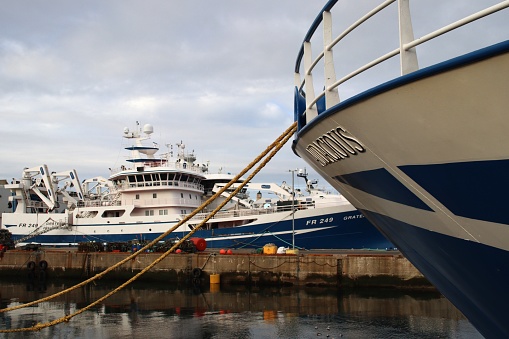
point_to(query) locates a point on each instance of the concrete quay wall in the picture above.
(338, 270)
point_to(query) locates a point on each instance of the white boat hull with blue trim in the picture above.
(425, 158)
(139, 202)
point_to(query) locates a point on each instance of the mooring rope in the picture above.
(262, 233)
(273, 149)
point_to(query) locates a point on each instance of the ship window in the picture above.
(147, 177)
(171, 176)
(182, 195)
(190, 197)
(112, 214)
(131, 178)
(184, 178)
(183, 211)
(149, 213)
(137, 197)
(90, 214)
(154, 195)
(139, 178)
(164, 176)
(163, 212)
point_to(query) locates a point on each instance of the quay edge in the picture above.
(344, 269)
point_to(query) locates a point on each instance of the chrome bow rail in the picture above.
(308, 105)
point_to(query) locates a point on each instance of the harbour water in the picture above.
(156, 310)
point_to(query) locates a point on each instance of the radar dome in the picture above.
(148, 129)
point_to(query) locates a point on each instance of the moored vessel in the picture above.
(422, 154)
(151, 193)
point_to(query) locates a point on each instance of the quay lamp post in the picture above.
(293, 207)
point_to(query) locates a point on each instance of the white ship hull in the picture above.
(424, 157)
(143, 201)
(320, 228)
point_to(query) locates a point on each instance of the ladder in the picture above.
(43, 229)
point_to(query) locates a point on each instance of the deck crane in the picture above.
(38, 180)
(74, 182)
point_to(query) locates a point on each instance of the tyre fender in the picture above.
(43, 264)
(31, 265)
(196, 272)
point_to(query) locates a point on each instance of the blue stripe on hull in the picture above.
(356, 233)
(468, 189)
(382, 184)
(473, 276)
(332, 232)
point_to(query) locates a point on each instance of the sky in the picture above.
(217, 75)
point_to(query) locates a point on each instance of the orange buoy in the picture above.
(229, 252)
(199, 243)
(222, 251)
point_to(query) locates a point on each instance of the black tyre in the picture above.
(196, 272)
(43, 264)
(31, 265)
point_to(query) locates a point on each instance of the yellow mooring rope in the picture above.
(275, 147)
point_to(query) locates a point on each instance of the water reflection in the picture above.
(159, 310)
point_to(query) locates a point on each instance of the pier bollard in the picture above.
(215, 282)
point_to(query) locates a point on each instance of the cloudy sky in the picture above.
(217, 75)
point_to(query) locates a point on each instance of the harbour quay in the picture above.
(335, 268)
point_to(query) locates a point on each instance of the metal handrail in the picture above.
(311, 99)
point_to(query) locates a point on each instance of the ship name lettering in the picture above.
(350, 217)
(335, 145)
(319, 221)
(22, 224)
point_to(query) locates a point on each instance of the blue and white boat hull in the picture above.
(324, 228)
(424, 157)
(433, 179)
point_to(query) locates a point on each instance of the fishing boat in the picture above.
(151, 193)
(422, 153)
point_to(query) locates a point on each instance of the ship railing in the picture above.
(162, 183)
(163, 202)
(251, 212)
(163, 163)
(98, 203)
(36, 204)
(235, 213)
(308, 105)
(157, 202)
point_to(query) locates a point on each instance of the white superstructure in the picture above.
(151, 193)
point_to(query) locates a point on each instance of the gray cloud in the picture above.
(216, 74)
